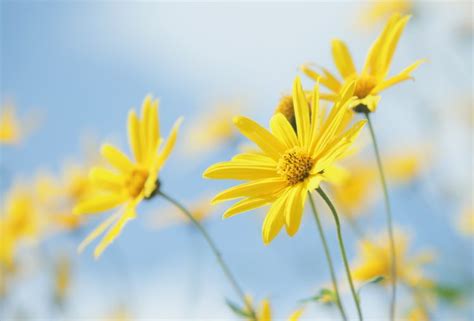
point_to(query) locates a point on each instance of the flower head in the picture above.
(373, 78)
(129, 182)
(264, 313)
(19, 220)
(374, 260)
(290, 163)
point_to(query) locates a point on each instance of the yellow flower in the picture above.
(381, 10)
(358, 189)
(374, 260)
(374, 76)
(10, 132)
(130, 182)
(213, 129)
(19, 220)
(291, 163)
(418, 314)
(265, 312)
(62, 278)
(466, 222)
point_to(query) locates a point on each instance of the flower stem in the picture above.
(389, 220)
(215, 251)
(328, 257)
(343, 250)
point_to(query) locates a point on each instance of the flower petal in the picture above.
(343, 59)
(261, 188)
(99, 203)
(260, 136)
(245, 205)
(301, 112)
(282, 129)
(116, 158)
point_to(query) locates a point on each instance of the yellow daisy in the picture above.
(129, 182)
(19, 220)
(292, 162)
(373, 78)
(374, 260)
(10, 131)
(265, 312)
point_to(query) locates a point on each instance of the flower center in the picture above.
(136, 182)
(364, 86)
(295, 165)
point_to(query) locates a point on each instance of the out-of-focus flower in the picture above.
(418, 314)
(265, 312)
(119, 314)
(131, 182)
(292, 162)
(213, 129)
(358, 189)
(10, 126)
(19, 220)
(466, 222)
(374, 260)
(200, 209)
(373, 78)
(382, 10)
(62, 280)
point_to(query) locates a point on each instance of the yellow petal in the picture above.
(294, 208)
(328, 80)
(153, 128)
(97, 231)
(245, 205)
(134, 136)
(116, 158)
(99, 203)
(114, 231)
(260, 188)
(240, 170)
(260, 136)
(295, 316)
(343, 59)
(405, 74)
(145, 143)
(105, 179)
(392, 42)
(169, 145)
(301, 112)
(282, 129)
(266, 311)
(274, 220)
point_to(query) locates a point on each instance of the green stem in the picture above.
(215, 251)
(328, 257)
(389, 220)
(343, 250)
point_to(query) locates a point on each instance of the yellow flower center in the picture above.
(295, 165)
(364, 86)
(136, 182)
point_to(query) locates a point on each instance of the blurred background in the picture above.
(70, 71)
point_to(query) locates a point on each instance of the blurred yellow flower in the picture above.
(374, 260)
(10, 126)
(130, 182)
(265, 312)
(19, 220)
(62, 278)
(466, 222)
(213, 129)
(418, 314)
(200, 210)
(381, 10)
(373, 77)
(292, 162)
(358, 189)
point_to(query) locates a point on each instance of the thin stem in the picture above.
(328, 257)
(343, 250)
(389, 220)
(215, 251)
